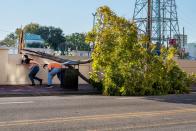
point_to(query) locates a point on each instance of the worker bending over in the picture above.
(53, 69)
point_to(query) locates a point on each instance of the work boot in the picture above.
(40, 82)
(33, 84)
(49, 86)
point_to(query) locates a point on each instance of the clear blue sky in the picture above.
(76, 15)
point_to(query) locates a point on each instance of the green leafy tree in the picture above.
(17, 32)
(76, 41)
(53, 36)
(123, 66)
(10, 40)
(31, 28)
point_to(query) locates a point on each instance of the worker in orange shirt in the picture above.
(53, 69)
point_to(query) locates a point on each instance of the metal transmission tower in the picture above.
(157, 18)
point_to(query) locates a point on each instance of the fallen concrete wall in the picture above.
(14, 73)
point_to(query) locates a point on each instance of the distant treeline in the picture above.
(53, 37)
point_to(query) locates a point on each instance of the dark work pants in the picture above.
(32, 74)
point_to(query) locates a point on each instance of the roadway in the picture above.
(98, 113)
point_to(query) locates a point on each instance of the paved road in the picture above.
(98, 113)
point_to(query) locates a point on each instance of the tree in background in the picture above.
(123, 66)
(76, 41)
(10, 40)
(52, 35)
(31, 28)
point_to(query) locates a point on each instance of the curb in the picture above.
(49, 94)
(193, 91)
(85, 89)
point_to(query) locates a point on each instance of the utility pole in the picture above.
(21, 43)
(94, 17)
(149, 23)
(183, 38)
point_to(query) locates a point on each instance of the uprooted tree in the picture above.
(122, 65)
